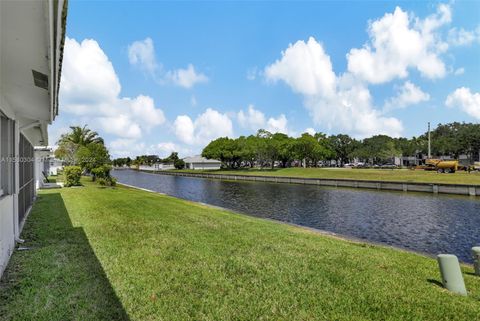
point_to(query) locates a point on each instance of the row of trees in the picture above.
(266, 149)
(149, 160)
(122, 161)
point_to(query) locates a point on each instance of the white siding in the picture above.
(7, 236)
(201, 166)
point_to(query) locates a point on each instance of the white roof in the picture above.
(200, 159)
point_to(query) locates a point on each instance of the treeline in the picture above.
(267, 149)
(149, 160)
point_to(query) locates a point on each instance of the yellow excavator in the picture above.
(440, 166)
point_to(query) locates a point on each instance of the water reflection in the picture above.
(422, 222)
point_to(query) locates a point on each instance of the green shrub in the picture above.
(179, 164)
(101, 172)
(110, 181)
(72, 175)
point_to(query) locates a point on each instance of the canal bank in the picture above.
(435, 188)
(345, 238)
(421, 222)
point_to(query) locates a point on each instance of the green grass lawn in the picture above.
(125, 254)
(54, 179)
(397, 175)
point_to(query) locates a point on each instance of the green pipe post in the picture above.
(452, 278)
(476, 259)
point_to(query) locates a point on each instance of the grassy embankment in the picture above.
(125, 254)
(395, 175)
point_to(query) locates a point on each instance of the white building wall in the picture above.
(156, 167)
(10, 226)
(31, 37)
(54, 167)
(204, 166)
(146, 168)
(7, 228)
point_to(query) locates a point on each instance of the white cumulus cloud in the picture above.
(277, 125)
(142, 54)
(310, 131)
(462, 37)
(143, 109)
(87, 75)
(123, 147)
(408, 94)
(399, 41)
(254, 120)
(467, 101)
(459, 71)
(184, 129)
(351, 110)
(305, 67)
(90, 90)
(206, 127)
(186, 78)
(343, 103)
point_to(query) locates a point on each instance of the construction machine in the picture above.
(440, 166)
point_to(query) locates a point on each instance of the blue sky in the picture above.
(153, 77)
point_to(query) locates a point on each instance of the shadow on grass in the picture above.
(435, 282)
(60, 278)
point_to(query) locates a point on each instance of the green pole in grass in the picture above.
(452, 278)
(476, 259)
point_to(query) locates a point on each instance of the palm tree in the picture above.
(81, 136)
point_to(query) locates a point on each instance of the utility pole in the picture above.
(429, 145)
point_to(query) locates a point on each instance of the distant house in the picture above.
(45, 164)
(199, 162)
(157, 167)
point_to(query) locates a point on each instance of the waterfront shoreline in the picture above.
(337, 236)
(435, 188)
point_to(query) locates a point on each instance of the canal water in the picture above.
(421, 222)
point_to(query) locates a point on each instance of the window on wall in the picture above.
(26, 191)
(6, 155)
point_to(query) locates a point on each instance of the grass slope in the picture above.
(397, 175)
(125, 254)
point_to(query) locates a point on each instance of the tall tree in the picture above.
(81, 136)
(82, 146)
(343, 147)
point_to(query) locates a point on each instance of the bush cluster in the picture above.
(101, 174)
(72, 175)
(110, 181)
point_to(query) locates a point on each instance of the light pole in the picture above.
(429, 145)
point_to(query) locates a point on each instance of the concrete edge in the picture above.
(455, 189)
